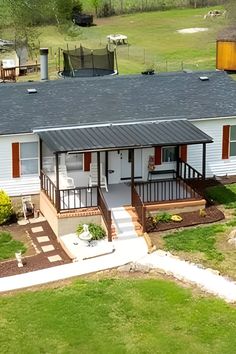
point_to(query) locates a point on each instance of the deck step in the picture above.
(125, 224)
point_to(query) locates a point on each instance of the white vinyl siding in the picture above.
(214, 163)
(16, 186)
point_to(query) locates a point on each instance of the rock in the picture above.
(232, 241)
(142, 268)
(213, 271)
(232, 234)
(125, 268)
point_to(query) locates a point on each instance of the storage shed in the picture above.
(226, 50)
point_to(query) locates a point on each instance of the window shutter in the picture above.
(15, 160)
(87, 161)
(225, 142)
(158, 155)
(183, 153)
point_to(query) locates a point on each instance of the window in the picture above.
(169, 153)
(233, 140)
(74, 162)
(29, 158)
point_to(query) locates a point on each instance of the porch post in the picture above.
(106, 165)
(41, 162)
(177, 161)
(99, 167)
(204, 160)
(132, 174)
(57, 183)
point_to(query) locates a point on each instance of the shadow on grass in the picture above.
(223, 194)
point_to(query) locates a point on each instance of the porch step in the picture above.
(126, 225)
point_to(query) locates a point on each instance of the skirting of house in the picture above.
(177, 207)
(67, 222)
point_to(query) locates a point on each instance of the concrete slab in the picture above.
(48, 248)
(36, 220)
(22, 222)
(42, 239)
(37, 229)
(54, 258)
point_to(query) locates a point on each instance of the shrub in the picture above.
(6, 209)
(97, 231)
(162, 217)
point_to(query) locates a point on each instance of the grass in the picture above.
(223, 194)
(116, 316)
(200, 239)
(8, 246)
(153, 40)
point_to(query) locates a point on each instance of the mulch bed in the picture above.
(37, 261)
(189, 219)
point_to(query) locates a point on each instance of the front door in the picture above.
(125, 158)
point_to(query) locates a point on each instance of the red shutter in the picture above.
(87, 161)
(158, 155)
(183, 153)
(15, 160)
(225, 142)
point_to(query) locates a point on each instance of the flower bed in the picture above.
(212, 214)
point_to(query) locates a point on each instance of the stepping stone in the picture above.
(37, 229)
(42, 239)
(22, 222)
(48, 248)
(36, 220)
(54, 258)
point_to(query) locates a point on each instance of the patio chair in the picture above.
(65, 182)
(93, 177)
(27, 206)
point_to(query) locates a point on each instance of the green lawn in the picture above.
(153, 40)
(116, 316)
(8, 246)
(223, 194)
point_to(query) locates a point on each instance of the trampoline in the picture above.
(84, 62)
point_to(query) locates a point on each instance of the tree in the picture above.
(96, 4)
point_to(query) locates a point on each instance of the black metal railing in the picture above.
(139, 208)
(185, 171)
(77, 198)
(106, 213)
(68, 199)
(49, 188)
(158, 191)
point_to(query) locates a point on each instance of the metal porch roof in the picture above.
(112, 137)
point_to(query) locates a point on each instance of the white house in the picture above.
(143, 130)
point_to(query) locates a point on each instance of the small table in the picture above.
(117, 39)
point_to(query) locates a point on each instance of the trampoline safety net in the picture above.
(86, 62)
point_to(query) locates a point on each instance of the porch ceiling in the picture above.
(111, 137)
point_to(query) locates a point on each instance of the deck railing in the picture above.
(158, 191)
(78, 198)
(49, 188)
(68, 199)
(139, 208)
(186, 171)
(106, 213)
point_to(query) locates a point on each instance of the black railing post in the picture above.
(177, 161)
(204, 160)
(57, 184)
(132, 175)
(99, 168)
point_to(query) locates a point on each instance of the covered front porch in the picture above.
(121, 157)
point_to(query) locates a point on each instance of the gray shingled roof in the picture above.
(72, 102)
(128, 135)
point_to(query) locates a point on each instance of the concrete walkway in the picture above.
(127, 251)
(207, 279)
